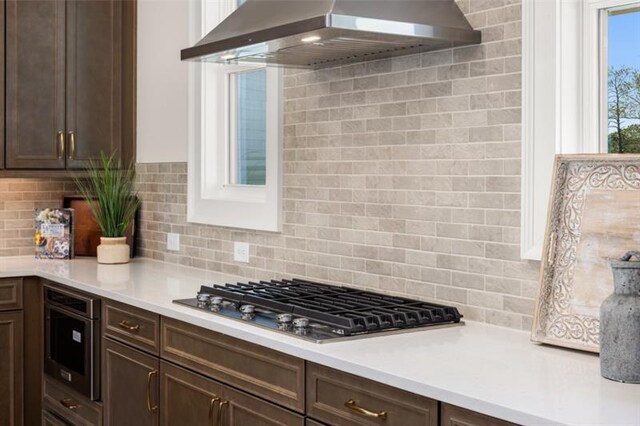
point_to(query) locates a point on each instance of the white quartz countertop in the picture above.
(492, 370)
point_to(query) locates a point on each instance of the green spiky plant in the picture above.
(109, 189)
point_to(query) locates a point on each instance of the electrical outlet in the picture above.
(173, 242)
(241, 252)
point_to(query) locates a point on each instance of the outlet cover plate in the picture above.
(173, 242)
(241, 252)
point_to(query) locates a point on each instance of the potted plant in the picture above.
(109, 190)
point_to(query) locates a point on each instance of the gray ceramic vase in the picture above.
(620, 323)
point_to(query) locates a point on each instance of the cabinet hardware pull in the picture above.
(353, 406)
(127, 326)
(150, 407)
(220, 407)
(70, 404)
(60, 144)
(212, 407)
(72, 145)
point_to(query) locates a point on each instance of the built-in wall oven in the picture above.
(72, 340)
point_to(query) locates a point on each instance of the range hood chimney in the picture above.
(323, 33)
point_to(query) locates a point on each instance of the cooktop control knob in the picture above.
(284, 318)
(247, 309)
(203, 297)
(301, 322)
(216, 300)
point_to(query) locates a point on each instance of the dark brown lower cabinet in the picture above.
(64, 403)
(11, 369)
(334, 397)
(456, 416)
(310, 422)
(131, 386)
(190, 399)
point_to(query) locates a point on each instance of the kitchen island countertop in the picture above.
(488, 369)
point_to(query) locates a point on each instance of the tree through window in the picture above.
(623, 82)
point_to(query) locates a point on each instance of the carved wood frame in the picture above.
(574, 176)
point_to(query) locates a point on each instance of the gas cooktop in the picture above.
(320, 312)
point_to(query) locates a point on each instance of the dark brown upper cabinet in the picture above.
(70, 82)
(2, 79)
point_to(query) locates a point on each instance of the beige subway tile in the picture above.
(518, 305)
(468, 86)
(469, 248)
(485, 300)
(502, 251)
(503, 184)
(451, 294)
(504, 319)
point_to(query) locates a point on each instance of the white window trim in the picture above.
(210, 199)
(561, 101)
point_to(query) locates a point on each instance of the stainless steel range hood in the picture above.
(323, 33)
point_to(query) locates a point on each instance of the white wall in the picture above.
(162, 81)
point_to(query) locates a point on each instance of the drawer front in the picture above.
(310, 422)
(339, 398)
(49, 419)
(456, 416)
(10, 294)
(136, 327)
(69, 405)
(263, 372)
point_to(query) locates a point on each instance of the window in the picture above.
(234, 176)
(620, 34)
(248, 127)
(580, 93)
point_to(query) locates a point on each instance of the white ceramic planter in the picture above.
(113, 250)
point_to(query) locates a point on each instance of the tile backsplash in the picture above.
(400, 175)
(18, 199)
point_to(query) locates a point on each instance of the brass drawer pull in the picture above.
(128, 326)
(70, 404)
(150, 407)
(220, 407)
(60, 144)
(212, 406)
(353, 406)
(72, 145)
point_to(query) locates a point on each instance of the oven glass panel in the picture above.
(67, 341)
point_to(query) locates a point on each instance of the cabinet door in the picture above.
(35, 84)
(130, 386)
(240, 409)
(187, 398)
(11, 368)
(94, 70)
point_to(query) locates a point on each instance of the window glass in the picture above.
(623, 85)
(248, 127)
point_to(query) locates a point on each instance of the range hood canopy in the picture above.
(323, 33)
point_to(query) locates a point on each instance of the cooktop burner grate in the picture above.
(348, 310)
